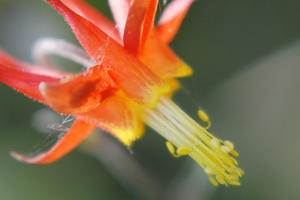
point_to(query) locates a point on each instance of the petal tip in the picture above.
(27, 159)
(17, 156)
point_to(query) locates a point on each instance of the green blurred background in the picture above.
(246, 56)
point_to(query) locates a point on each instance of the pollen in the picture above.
(185, 137)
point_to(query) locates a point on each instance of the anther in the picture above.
(183, 151)
(215, 143)
(234, 153)
(208, 171)
(225, 149)
(229, 145)
(213, 181)
(234, 161)
(204, 117)
(236, 183)
(220, 180)
(240, 171)
(171, 149)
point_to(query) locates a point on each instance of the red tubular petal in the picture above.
(24, 82)
(171, 19)
(119, 9)
(24, 77)
(136, 80)
(12, 63)
(139, 24)
(162, 60)
(94, 16)
(79, 93)
(78, 132)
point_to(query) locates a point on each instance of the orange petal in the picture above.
(135, 79)
(161, 59)
(94, 16)
(79, 93)
(172, 18)
(24, 77)
(174, 85)
(78, 132)
(139, 24)
(118, 115)
(119, 9)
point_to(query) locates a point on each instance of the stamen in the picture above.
(190, 138)
(204, 117)
(213, 181)
(46, 47)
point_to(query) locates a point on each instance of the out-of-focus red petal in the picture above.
(118, 115)
(24, 82)
(119, 9)
(139, 24)
(78, 132)
(135, 79)
(24, 77)
(161, 59)
(80, 93)
(13, 63)
(171, 19)
(94, 16)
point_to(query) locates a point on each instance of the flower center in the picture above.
(182, 132)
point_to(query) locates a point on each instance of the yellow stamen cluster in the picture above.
(186, 137)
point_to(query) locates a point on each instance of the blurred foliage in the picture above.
(246, 60)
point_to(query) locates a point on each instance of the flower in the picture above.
(128, 82)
